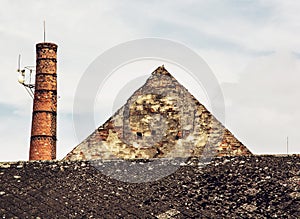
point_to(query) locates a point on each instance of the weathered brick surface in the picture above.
(46, 65)
(43, 131)
(161, 119)
(46, 82)
(43, 124)
(44, 99)
(44, 147)
(46, 50)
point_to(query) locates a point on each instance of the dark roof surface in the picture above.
(227, 187)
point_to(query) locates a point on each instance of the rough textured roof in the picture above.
(161, 119)
(227, 187)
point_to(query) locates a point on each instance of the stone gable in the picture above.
(161, 119)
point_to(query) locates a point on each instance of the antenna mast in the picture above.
(44, 24)
(19, 63)
(287, 144)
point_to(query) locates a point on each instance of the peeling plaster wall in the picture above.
(161, 119)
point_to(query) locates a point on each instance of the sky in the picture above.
(252, 47)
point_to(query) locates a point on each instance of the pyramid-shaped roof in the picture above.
(161, 119)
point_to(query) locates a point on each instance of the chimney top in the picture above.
(46, 45)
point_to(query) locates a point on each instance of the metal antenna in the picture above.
(44, 31)
(19, 63)
(23, 77)
(29, 92)
(287, 144)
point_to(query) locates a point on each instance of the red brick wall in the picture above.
(43, 130)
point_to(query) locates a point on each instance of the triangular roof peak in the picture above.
(161, 119)
(161, 70)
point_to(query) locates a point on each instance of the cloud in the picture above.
(227, 34)
(82, 30)
(263, 106)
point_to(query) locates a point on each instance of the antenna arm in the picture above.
(29, 85)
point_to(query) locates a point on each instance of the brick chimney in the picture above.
(43, 129)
